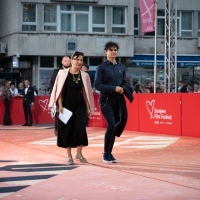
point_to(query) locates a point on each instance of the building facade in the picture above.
(35, 34)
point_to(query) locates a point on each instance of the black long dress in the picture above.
(73, 133)
(6, 96)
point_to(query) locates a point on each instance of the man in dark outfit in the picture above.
(182, 88)
(109, 77)
(6, 96)
(65, 64)
(28, 102)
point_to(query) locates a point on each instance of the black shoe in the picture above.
(107, 158)
(113, 159)
(30, 124)
(25, 124)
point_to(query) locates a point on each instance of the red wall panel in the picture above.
(40, 112)
(156, 113)
(191, 114)
(133, 114)
(160, 113)
(97, 119)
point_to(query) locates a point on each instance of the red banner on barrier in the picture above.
(155, 113)
(147, 13)
(133, 117)
(40, 111)
(160, 113)
(190, 114)
(97, 119)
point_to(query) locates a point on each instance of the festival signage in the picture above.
(160, 113)
(147, 15)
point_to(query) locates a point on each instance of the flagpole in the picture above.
(155, 51)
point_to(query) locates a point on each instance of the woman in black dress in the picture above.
(74, 92)
(6, 96)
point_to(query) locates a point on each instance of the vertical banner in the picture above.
(147, 14)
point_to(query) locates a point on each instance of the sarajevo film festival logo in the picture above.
(157, 113)
(150, 107)
(44, 104)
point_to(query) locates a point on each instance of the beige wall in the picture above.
(41, 43)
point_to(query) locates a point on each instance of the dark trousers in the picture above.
(6, 119)
(27, 112)
(110, 112)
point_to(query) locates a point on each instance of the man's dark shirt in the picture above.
(183, 89)
(108, 76)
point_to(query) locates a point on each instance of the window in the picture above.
(29, 17)
(83, 18)
(50, 18)
(184, 23)
(95, 61)
(199, 24)
(118, 20)
(136, 21)
(46, 66)
(161, 23)
(74, 18)
(98, 19)
(47, 61)
(59, 60)
(45, 77)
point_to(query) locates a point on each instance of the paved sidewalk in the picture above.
(150, 166)
(20, 127)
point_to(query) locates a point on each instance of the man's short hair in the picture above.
(111, 44)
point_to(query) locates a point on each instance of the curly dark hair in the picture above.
(111, 44)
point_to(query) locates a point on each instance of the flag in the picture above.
(147, 14)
